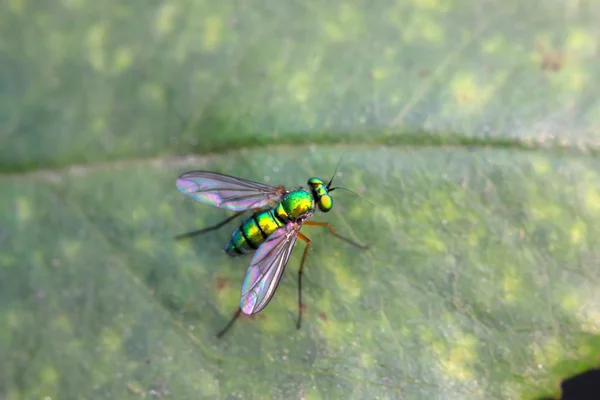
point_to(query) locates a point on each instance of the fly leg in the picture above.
(337, 235)
(236, 315)
(210, 228)
(308, 242)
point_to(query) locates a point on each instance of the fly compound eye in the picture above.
(325, 203)
(314, 182)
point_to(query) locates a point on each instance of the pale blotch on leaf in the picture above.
(111, 341)
(431, 4)
(464, 88)
(426, 335)
(390, 53)
(495, 44)
(298, 85)
(123, 59)
(473, 238)
(575, 79)
(185, 250)
(23, 209)
(511, 390)
(11, 320)
(422, 26)
(339, 333)
(70, 248)
(547, 351)
(351, 19)
(312, 394)
(73, 5)
(139, 214)
(323, 304)
(456, 356)
(468, 94)
(434, 243)
(406, 332)
(146, 244)
(368, 361)
(545, 211)
(17, 6)
(592, 199)
(275, 320)
(95, 40)
(153, 93)
(165, 18)
(228, 296)
(213, 30)
(348, 285)
(8, 260)
(165, 210)
(379, 73)
(592, 321)
(49, 378)
(208, 383)
(98, 125)
(62, 324)
(334, 31)
(386, 217)
(511, 286)
(584, 308)
(441, 5)
(577, 232)
(581, 41)
(571, 301)
(540, 166)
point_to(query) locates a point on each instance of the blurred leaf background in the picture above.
(471, 127)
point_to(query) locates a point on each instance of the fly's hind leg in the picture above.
(210, 228)
(337, 235)
(236, 315)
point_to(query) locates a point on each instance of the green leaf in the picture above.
(469, 130)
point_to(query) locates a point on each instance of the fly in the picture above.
(270, 232)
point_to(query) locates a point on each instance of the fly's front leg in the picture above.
(337, 235)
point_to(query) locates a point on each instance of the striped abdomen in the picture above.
(253, 232)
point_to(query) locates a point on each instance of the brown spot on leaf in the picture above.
(221, 283)
(550, 59)
(302, 308)
(323, 316)
(553, 61)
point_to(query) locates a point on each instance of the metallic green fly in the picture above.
(270, 232)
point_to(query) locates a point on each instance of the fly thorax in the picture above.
(320, 193)
(295, 205)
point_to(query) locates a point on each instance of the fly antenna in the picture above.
(353, 192)
(334, 172)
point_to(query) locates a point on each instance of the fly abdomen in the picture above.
(252, 233)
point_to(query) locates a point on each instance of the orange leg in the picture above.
(334, 233)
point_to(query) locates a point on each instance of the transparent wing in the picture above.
(266, 268)
(226, 191)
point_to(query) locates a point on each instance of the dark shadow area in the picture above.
(585, 386)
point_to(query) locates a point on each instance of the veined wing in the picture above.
(227, 191)
(266, 268)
